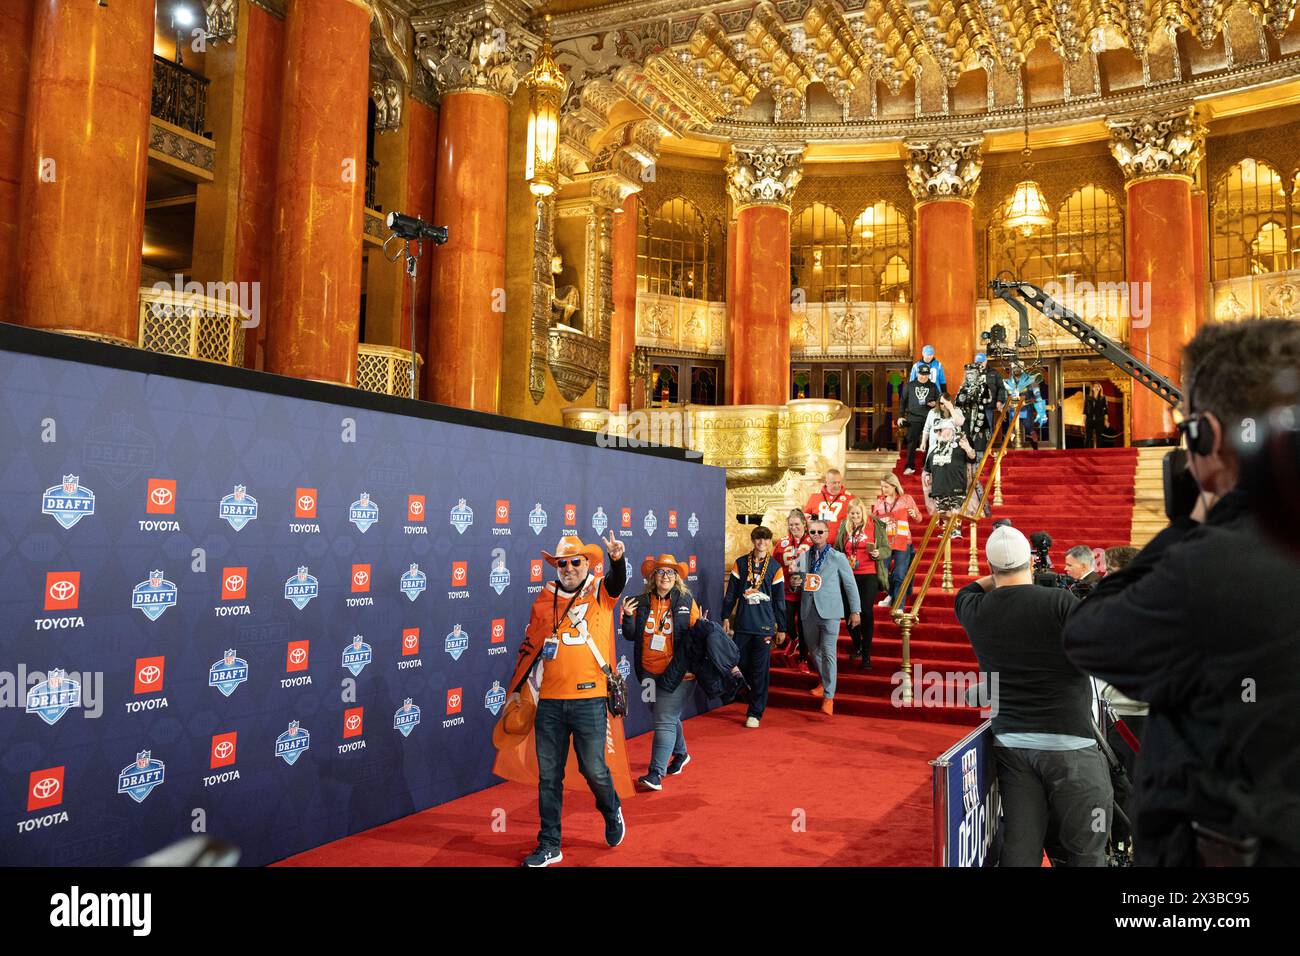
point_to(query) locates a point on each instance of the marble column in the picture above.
(622, 332)
(1159, 154)
(761, 181)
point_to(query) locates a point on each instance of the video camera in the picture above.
(1044, 575)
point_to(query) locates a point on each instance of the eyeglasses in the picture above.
(819, 532)
(664, 571)
(569, 562)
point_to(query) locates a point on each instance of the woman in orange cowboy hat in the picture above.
(570, 640)
(656, 622)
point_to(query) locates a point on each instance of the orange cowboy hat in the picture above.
(571, 546)
(650, 565)
(515, 723)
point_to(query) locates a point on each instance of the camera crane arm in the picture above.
(1139, 371)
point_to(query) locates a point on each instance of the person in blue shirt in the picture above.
(937, 375)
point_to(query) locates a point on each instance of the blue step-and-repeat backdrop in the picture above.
(277, 620)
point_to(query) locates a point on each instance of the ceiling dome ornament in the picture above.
(764, 174)
(1157, 143)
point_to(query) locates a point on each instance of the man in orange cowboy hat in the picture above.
(564, 658)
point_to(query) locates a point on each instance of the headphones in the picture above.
(1195, 428)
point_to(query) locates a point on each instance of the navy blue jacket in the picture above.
(634, 631)
(766, 617)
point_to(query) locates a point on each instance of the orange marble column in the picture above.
(84, 162)
(944, 283)
(732, 378)
(315, 298)
(622, 329)
(1160, 249)
(1201, 250)
(760, 365)
(469, 272)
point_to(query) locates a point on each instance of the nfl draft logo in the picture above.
(462, 516)
(500, 576)
(356, 655)
(651, 522)
(153, 596)
(496, 698)
(290, 745)
(624, 668)
(537, 519)
(693, 524)
(456, 643)
(238, 508)
(301, 588)
(228, 673)
(407, 718)
(600, 521)
(68, 502)
(414, 582)
(363, 512)
(138, 779)
(54, 696)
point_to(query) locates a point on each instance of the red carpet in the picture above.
(1082, 496)
(863, 788)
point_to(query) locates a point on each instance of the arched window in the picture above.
(1249, 219)
(1085, 242)
(819, 255)
(880, 255)
(674, 255)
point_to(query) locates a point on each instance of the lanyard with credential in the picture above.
(819, 557)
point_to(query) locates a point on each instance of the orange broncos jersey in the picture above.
(574, 674)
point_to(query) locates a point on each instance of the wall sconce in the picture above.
(546, 86)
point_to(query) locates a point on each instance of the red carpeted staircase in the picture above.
(1082, 496)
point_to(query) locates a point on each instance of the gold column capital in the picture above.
(944, 168)
(764, 174)
(1157, 144)
(484, 49)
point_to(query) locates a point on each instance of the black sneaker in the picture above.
(615, 831)
(678, 764)
(652, 781)
(543, 856)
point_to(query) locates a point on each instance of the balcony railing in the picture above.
(386, 369)
(180, 96)
(372, 176)
(191, 326)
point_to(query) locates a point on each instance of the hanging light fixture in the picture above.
(546, 86)
(1027, 210)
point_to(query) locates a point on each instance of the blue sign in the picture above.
(499, 578)
(54, 696)
(291, 744)
(599, 521)
(462, 516)
(228, 673)
(456, 642)
(356, 655)
(238, 508)
(414, 581)
(407, 718)
(138, 779)
(69, 502)
(154, 596)
(495, 698)
(537, 519)
(363, 512)
(967, 806)
(301, 588)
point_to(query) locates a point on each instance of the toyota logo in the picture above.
(502, 511)
(459, 574)
(417, 507)
(360, 577)
(62, 590)
(297, 655)
(353, 722)
(498, 630)
(306, 502)
(149, 674)
(45, 788)
(161, 496)
(223, 750)
(453, 700)
(234, 582)
(410, 640)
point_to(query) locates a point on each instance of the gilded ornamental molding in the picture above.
(574, 360)
(945, 168)
(483, 49)
(765, 174)
(1150, 144)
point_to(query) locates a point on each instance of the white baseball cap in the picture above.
(1006, 548)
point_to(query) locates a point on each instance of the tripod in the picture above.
(413, 250)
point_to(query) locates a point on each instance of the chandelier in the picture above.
(546, 86)
(1027, 209)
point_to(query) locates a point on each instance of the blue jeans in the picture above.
(899, 562)
(668, 738)
(556, 720)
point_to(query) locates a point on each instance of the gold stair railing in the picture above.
(1002, 429)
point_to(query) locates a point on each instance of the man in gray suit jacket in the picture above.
(828, 581)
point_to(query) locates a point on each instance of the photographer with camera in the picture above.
(1050, 770)
(1204, 626)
